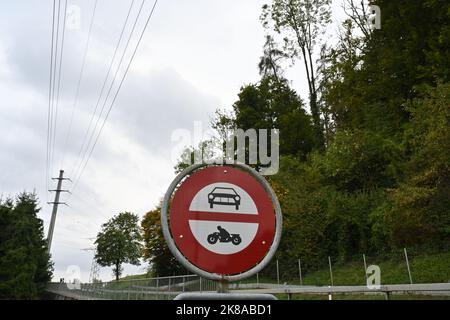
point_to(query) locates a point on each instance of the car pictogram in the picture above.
(224, 196)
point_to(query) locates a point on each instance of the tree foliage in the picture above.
(272, 104)
(156, 251)
(421, 202)
(119, 242)
(382, 179)
(300, 23)
(269, 64)
(25, 266)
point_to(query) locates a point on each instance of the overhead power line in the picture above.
(86, 150)
(116, 94)
(80, 77)
(83, 144)
(49, 113)
(59, 78)
(53, 107)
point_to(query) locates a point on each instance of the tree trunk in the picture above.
(309, 68)
(316, 120)
(117, 271)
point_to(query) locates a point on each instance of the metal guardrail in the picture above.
(387, 290)
(169, 287)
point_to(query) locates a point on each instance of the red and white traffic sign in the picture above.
(222, 220)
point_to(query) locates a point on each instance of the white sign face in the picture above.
(218, 232)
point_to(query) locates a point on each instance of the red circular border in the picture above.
(194, 252)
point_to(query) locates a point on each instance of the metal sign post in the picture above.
(224, 222)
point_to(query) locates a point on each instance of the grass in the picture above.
(434, 268)
(135, 277)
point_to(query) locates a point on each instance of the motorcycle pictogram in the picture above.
(224, 236)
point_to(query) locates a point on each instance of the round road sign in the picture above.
(225, 221)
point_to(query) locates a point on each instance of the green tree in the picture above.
(206, 150)
(300, 24)
(410, 49)
(360, 160)
(420, 212)
(271, 104)
(269, 64)
(162, 262)
(341, 85)
(381, 180)
(367, 81)
(25, 266)
(119, 242)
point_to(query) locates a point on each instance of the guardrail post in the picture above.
(300, 271)
(331, 271)
(200, 284)
(222, 286)
(278, 273)
(157, 288)
(365, 266)
(407, 265)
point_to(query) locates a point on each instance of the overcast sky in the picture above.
(194, 57)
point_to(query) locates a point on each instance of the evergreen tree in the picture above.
(25, 267)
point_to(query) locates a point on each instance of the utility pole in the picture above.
(55, 206)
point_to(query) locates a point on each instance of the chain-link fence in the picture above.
(137, 289)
